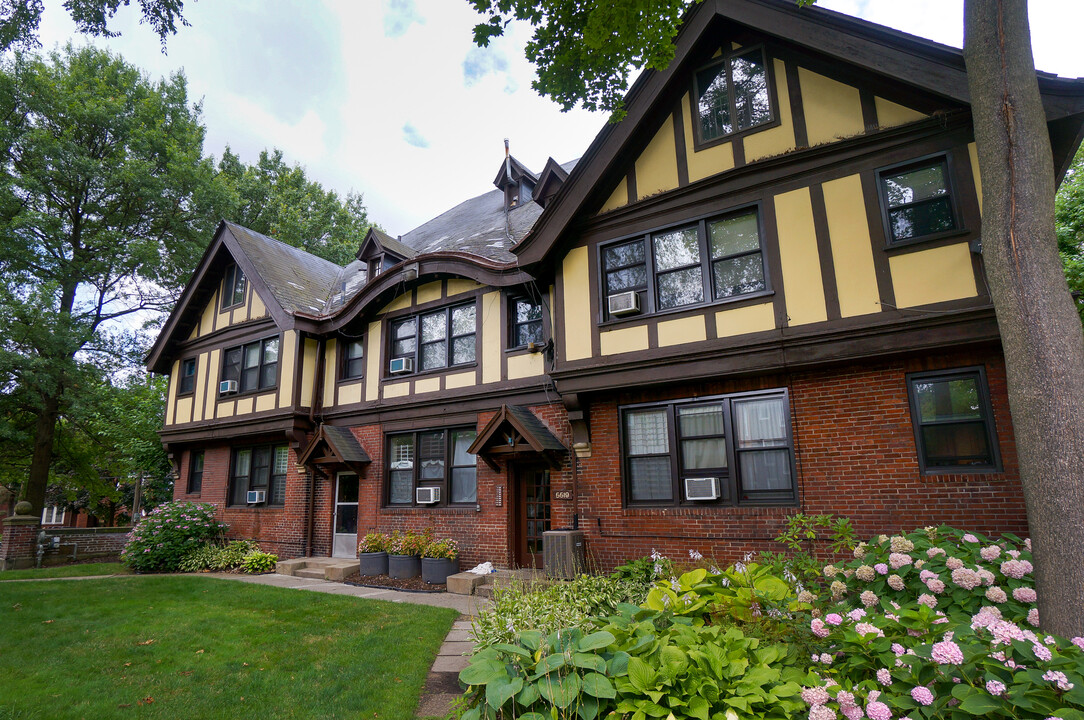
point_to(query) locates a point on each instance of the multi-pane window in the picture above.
(259, 468)
(737, 448)
(52, 515)
(714, 259)
(434, 340)
(432, 458)
(254, 365)
(732, 95)
(195, 471)
(353, 359)
(188, 377)
(917, 200)
(525, 322)
(954, 427)
(233, 287)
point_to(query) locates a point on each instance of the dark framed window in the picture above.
(262, 467)
(353, 362)
(743, 442)
(187, 384)
(233, 287)
(954, 426)
(917, 200)
(524, 322)
(195, 471)
(714, 259)
(732, 94)
(432, 458)
(434, 340)
(254, 365)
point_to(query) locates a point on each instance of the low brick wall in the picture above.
(17, 545)
(86, 543)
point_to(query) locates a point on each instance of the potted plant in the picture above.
(373, 554)
(404, 555)
(439, 560)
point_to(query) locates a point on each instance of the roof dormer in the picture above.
(550, 181)
(380, 251)
(515, 180)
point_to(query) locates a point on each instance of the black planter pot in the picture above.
(402, 567)
(373, 563)
(435, 571)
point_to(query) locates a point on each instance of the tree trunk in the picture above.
(1040, 331)
(44, 432)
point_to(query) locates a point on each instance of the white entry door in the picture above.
(345, 536)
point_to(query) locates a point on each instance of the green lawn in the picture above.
(192, 647)
(66, 571)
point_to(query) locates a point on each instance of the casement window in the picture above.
(732, 95)
(433, 340)
(737, 448)
(524, 322)
(52, 515)
(916, 200)
(254, 366)
(712, 260)
(187, 384)
(233, 287)
(259, 468)
(432, 458)
(195, 471)
(954, 427)
(353, 362)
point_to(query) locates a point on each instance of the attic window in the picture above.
(732, 95)
(233, 287)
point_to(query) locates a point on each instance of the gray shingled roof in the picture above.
(392, 245)
(535, 427)
(345, 444)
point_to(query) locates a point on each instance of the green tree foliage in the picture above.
(19, 19)
(99, 182)
(1069, 215)
(276, 199)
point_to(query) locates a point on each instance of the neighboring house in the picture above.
(759, 294)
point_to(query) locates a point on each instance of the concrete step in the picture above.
(312, 573)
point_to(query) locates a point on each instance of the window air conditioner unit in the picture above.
(401, 366)
(626, 303)
(702, 488)
(256, 496)
(227, 386)
(427, 495)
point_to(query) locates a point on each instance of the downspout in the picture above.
(317, 399)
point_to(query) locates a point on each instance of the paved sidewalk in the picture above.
(442, 684)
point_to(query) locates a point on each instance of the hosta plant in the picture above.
(259, 562)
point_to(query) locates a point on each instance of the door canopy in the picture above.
(335, 448)
(516, 433)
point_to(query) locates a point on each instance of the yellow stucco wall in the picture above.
(489, 311)
(619, 197)
(396, 390)
(244, 405)
(801, 261)
(331, 368)
(743, 320)
(682, 330)
(931, 276)
(458, 380)
(709, 161)
(428, 292)
(427, 385)
(457, 286)
(623, 340)
(171, 398)
(656, 168)
(266, 401)
(184, 409)
(288, 358)
(973, 153)
(201, 386)
(832, 110)
(890, 114)
(349, 393)
(525, 365)
(372, 363)
(308, 374)
(213, 367)
(852, 250)
(576, 286)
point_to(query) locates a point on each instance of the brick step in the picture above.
(312, 573)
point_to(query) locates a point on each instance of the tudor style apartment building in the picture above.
(761, 293)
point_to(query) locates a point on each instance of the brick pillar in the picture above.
(20, 534)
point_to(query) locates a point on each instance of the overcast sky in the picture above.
(393, 100)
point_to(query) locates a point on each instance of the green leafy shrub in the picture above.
(518, 607)
(258, 561)
(218, 558)
(198, 559)
(446, 549)
(168, 533)
(639, 663)
(798, 560)
(374, 542)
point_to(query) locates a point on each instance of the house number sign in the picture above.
(562, 494)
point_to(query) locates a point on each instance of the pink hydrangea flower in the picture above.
(1042, 652)
(868, 598)
(1033, 617)
(995, 687)
(821, 712)
(947, 652)
(1027, 543)
(1058, 678)
(884, 676)
(990, 553)
(965, 578)
(1014, 569)
(818, 628)
(856, 614)
(953, 563)
(864, 628)
(833, 618)
(815, 695)
(898, 649)
(934, 552)
(928, 600)
(1079, 642)
(826, 658)
(896, 583)
(898, 560)
(970, 538)
(881, 568)
(1014, 554)
(852, 712)
(996, 594)
(936, 586)
(1025, 594)
(845, 697)
(878, 711)
(922, 695)
(927, 575)
(986, 576)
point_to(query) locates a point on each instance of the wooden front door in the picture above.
(532, 513)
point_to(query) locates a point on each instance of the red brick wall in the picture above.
(854, 453)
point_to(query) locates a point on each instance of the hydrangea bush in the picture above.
(168, 533)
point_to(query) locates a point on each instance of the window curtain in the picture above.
(760, 424)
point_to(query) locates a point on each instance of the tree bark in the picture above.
(1040, 331)
(42, 460)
